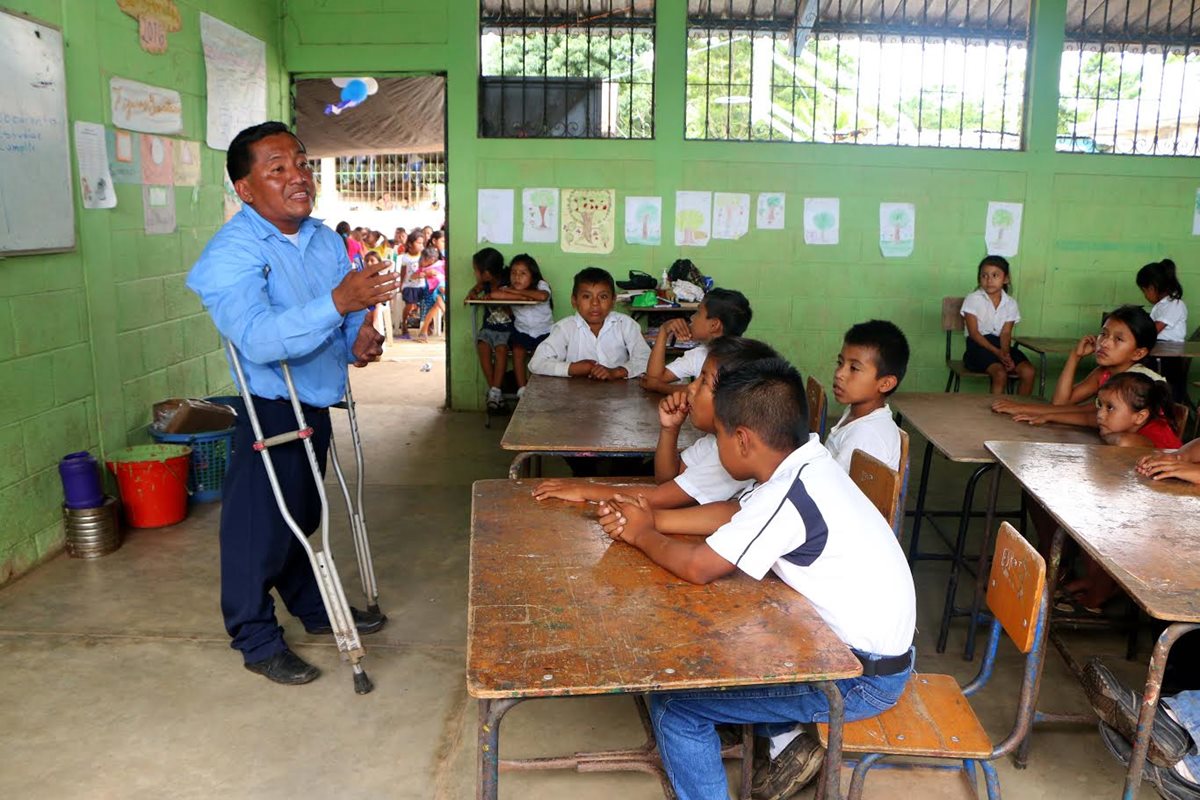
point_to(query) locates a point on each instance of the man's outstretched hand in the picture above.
(368, 346)
(364, 288)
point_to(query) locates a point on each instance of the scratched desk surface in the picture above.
(1144, 533)
(573, 415)
(557, 608)
(959, 424)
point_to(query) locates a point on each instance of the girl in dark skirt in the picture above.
(989, 314)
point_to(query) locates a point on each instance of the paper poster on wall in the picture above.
(187, 164)
(158, 206)
(897, 229)
(822, 220)
(232, 203)
(235, 72)
(495, 216)
(539, 215)
(693, 218)
(141, 107)
(124, 156)
(1196, 216)
(770, 212)
(95, 182)
(643, 220)
(731, 215)
(589, 220)
(1002, 231)
(158, 160)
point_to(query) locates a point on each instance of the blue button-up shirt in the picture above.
(273, 300)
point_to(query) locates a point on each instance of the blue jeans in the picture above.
(684, 722)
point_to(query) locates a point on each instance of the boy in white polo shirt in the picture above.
(694, 476)
(872, 363)
(806, 521)
(722, 312)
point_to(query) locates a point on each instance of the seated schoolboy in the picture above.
(722, 312)
(806, 521)
(595, 342)
(870, 367)
(694, 476)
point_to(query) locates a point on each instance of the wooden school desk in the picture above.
(558, 609)
(1142, 532)
(1060, 346)
(957, 425)
(581, 417)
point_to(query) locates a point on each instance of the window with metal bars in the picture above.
(566, 69)
(390, 181)
(935, 73)
(1130, 78)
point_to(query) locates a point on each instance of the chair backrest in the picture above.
(1015, 586)
(898, 519)
(1181, 418)
(952, 320)
(816, 406)
(879, 482)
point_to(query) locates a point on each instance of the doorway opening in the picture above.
(378, 148)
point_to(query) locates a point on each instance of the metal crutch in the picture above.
(358, 519)
(345, 633)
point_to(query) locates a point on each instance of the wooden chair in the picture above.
(952, 324)
(883, 486)
(934, 718)
(817, 406)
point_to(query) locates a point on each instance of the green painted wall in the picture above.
(1090, 221)
(91, 338)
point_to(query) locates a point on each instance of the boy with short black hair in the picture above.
(872, 363)
(594, 342)
(807, 522)
(722, 312)
(695, 475)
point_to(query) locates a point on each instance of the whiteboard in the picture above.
(36, 208)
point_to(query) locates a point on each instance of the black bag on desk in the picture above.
(684, 270)
(638, 280)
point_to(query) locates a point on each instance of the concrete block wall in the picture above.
(90, 339)
(1090, 221)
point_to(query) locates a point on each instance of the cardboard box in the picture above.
(185, 415)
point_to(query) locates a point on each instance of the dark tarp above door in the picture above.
(406, 115)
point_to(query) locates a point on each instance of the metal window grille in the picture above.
(1130, 78)
(938, 73)
(566, 69)
(390, 181)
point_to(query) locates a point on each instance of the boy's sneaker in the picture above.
(1170, 785)
(494, 398)
(520, 392)
(1118, 706)
(789, 772)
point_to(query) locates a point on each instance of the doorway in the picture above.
(378, 147)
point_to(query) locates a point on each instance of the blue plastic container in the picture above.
(210, 460)
(81, 481)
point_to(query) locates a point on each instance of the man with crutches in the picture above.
(279, 287)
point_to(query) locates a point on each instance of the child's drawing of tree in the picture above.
(691, 222)
(1002, 219)
(646, 215)
(774, 206)
(899, 221)
(824, 222)
(587, 207)
(541, 199)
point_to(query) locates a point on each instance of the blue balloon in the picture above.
(354, 92)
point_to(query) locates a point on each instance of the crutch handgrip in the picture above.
(282, 438)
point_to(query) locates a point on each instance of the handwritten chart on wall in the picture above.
(36, 209)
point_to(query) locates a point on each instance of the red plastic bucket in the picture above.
(152, 479)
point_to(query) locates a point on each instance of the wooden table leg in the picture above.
(1154, 678)
(488, 778)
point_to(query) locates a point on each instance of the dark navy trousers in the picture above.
(259, 552)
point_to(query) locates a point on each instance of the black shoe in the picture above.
(1118, 706)
(789, 772)
(285, 667)
(1168, 782)
(365, 621)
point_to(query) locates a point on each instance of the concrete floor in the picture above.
(119, 681)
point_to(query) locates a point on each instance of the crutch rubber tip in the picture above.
(362, 684)
(374, 611)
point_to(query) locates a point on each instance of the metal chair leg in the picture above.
(858, 779)
(992, 780)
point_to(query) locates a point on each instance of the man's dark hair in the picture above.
(593, 275)
(730, 307)
(239, 158)
(766, 397)
(891, 348)
(731, 353)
